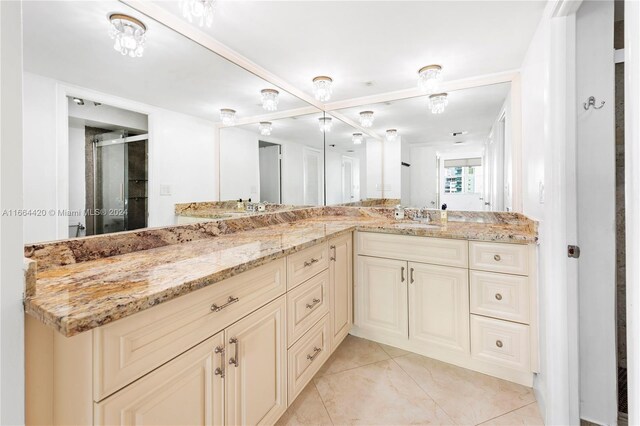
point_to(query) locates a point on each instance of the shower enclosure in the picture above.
(120, 182)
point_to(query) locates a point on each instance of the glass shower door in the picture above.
(110, 198)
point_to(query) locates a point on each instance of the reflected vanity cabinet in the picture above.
(236, 352)
(468, 303)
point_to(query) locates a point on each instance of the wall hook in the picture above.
(591, 102)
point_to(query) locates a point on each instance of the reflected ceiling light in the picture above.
(357, 138)
(128, 33)
(269, 99)
(201, 10)
(366, 119)
(429, 78)
(437, 103)
(228, 116)
(265, 128)
(325, 124)
(322, 88)
(78, 101)
(391, 135)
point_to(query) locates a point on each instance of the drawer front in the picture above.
(500, 296)
(306, 304)
(500, 342)
(437, 251)
(307, 356)
(499, 257)
(127, 349)
(305, 264)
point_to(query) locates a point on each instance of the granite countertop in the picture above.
(87, 293)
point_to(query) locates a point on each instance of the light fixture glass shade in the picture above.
(391, 135)
(438, 102)
(429, 78)
(357, 138)
(228, 116)
(265, 128)
(325, 124)
(322, 88)
(366, 119)
(198, 10)
(269, 99)
(128, 34)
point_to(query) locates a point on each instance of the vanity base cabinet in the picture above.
(341, 287)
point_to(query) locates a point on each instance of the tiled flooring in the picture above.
(366, 383)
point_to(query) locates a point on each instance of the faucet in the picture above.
(422, 215)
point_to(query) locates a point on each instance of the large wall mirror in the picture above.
(454, 148)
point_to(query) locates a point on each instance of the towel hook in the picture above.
(591, 102)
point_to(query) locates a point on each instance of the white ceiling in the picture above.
(384, 42)
(471, 110)
(68, 41)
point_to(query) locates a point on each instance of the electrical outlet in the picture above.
(541, 192)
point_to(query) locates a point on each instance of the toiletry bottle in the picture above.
(443, 215)
(240, 205)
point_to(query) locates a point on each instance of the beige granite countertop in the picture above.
(76, 297)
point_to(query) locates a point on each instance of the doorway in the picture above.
(270, 164)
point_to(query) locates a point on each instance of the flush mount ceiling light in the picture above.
(429, 78)
(322, 88)
(78, 101)
(325, 124)
(437, 103)
(265, 128)
(366, 119)
(269, 99)
(391, 135)
(128, 33)
(200, 10)
(228, 116)
(357, 138)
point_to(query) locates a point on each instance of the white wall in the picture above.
(240, 170)
(392, 172)
(405, 173)
(374, 169)
(108, 114)
(77, 186)
(333, 177)
(424, 177)
(11, 251)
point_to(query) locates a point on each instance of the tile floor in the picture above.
(366, 383)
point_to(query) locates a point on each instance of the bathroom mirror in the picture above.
(114, 139)
(276, 162)
(460, 156)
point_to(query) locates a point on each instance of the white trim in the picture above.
(618, 56)
(516, 145)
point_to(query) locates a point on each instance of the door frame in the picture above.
(350, 160)
(306, 151)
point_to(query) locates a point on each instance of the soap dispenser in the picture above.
(443, 215)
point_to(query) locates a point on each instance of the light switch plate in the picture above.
(165, 189)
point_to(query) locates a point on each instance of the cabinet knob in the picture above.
(496, 257)
(499, 343)
(498, 296)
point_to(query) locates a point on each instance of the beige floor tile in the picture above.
(467, 396)
(528, 415)
(307, 409)
(352, 352)
(377, 394)
(393, 352)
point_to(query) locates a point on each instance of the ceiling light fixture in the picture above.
(438, 102)
(366, 119)
(198, 9)
(391, 135)
(325, 124)
(322, 88)
(78, 101)
(429, 78)
(128, 33)
(357, 138)
(269, 99)
(265, 128)
(228, 116)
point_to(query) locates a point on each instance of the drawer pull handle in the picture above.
(316, 351)
(220, 371)
(234, 359)
(230, 301)
(499, 343)
(312, 305)
(311, 262)
(496, 257)
(498, 296)
(334, 253)
(402, 274)
(411, 280)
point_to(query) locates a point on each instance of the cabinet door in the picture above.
(187, 390)
(256, 380)
(439, 307)
(341, 287)
(382, 296)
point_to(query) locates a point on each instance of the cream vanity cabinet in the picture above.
(464, 302)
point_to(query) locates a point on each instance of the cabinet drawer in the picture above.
(499, 257)
(500, 342)
(127, 349)
(303, 265)
(306, 304)
(500, 296)
(437, 251)
(307, 356)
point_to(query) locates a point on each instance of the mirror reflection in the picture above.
(452, 148)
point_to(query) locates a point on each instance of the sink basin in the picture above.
(419, 225)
